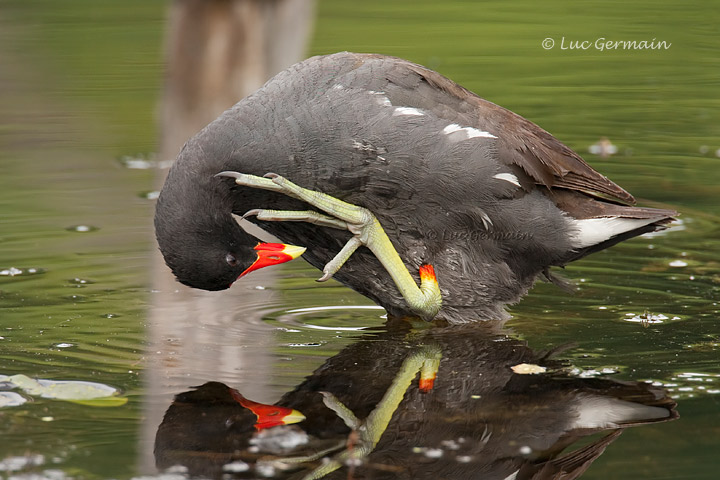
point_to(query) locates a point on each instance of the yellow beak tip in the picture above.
(293, 417)
(294, 251)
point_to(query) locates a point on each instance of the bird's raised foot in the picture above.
(308, 216)
(425, 301)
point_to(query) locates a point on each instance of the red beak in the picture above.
(273, 254)
(268, 415)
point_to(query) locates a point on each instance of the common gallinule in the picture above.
(419, 169)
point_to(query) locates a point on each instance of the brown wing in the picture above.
(519, 141)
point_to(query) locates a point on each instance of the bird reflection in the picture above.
(406, 403)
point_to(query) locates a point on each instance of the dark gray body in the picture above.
(348, 125)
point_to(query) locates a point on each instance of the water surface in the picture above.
(79, 298)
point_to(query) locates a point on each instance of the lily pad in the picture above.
(86, 393)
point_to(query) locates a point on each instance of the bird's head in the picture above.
(206, 248)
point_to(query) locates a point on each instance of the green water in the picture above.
(79, 87)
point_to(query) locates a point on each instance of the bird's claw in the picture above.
(252, 213)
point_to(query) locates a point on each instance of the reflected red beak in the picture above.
(273, 254)
(268, 415)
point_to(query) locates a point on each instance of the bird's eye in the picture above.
(231, 260)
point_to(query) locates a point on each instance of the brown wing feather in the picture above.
(548, 161)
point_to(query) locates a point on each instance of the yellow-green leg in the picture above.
(425, 301)
(425, 359)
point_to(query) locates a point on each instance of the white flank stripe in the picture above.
(452, 128)
(470, 132)
(593, 411)
(407, 111)
(591, 231)
(508, 177)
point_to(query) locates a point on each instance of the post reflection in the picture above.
(412, 403)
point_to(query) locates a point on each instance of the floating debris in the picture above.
(139, 162)
(64, 345)
(649, 318)
(14, 464)
(679, 386)
(238, 466)
(16, 272)
(450, 445)
(593, 372)
(288, 330)
(181, 469)
(434, 452)
(528, 369)
(678, 263)
(603, 147)
(81, 228)
(279, 440)
(153, 195)
(11, 399)
(265, 469)
(88, 393)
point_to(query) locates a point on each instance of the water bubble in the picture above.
(76, 298)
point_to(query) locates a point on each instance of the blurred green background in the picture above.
(80, 83)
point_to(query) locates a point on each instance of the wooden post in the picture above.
(218, 51)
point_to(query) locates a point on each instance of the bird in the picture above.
(386, 174)
(480, 416)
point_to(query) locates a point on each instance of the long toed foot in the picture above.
(425, 301)
(367, 433)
